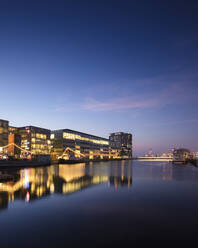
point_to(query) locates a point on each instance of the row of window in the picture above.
(79, 137)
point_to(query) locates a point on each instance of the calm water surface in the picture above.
(99, 205)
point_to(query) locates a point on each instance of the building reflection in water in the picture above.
(34, 183)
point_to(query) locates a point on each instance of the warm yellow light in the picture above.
(76, 136)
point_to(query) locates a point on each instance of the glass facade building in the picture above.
(3, 133)
(30, 139)
(35, 140)
(23, 142)
(122, 142)
(70, 144)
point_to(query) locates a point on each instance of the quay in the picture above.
(35, 163)
(22, 163)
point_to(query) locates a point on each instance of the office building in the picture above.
(79, 145)
(123, 142)
(35, 140)
(14, 138)
(3, 135)
(28, 140)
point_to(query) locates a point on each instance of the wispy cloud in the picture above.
(147, 93)
(117, 104)
(175, 94)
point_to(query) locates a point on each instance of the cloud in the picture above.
(117, 104)
(149, 93)
(175, 94)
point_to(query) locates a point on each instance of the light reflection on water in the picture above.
(33, 183)
(100, 204)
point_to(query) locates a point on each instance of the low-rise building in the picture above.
(28, 140)
(72, 144)
(35, 140)
(181, 155)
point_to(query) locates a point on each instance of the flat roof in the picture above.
(70, 130)
(26, 127)
(117, 133)
(3, 120)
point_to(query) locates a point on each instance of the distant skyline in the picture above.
(101, 67)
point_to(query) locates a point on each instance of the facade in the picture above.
(180, 155)
(122, 142)
(3, 133)
(30, 139)
(195, 154)
(35, 140)
(70, 144)
(14, 138)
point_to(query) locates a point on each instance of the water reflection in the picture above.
(165, 171)
(35, 183)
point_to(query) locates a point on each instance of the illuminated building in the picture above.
(35, 140)
(195, 154)
(123, 142)
(14, 138)
(3, 133)
(180, 155)
(31, 142)
(28, 140)
(81, 145)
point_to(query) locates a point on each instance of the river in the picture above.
(99, 205)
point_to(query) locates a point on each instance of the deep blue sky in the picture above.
(102, 66)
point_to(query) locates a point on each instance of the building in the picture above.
(35, 139)
(3, 136)
(70, 144)
(35, 142)
(195, 154)
(181, 155)
(28, 140)
(122, 142)
(3, 132)
(14, 138)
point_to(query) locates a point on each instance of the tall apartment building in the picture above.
(123, 142)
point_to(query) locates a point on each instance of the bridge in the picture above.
(155, 158)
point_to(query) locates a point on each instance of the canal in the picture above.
(99, 205)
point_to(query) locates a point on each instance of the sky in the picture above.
(102, 66)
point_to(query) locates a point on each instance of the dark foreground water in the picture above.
(103, 204)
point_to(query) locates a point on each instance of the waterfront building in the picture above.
(122, 142)
(3, 132)
(180, 155)
(23, 142)
(72, 144)
(14, 138)
(195, 154)
(35, 139)
(30, 139)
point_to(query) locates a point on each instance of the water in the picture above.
(99, 205)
